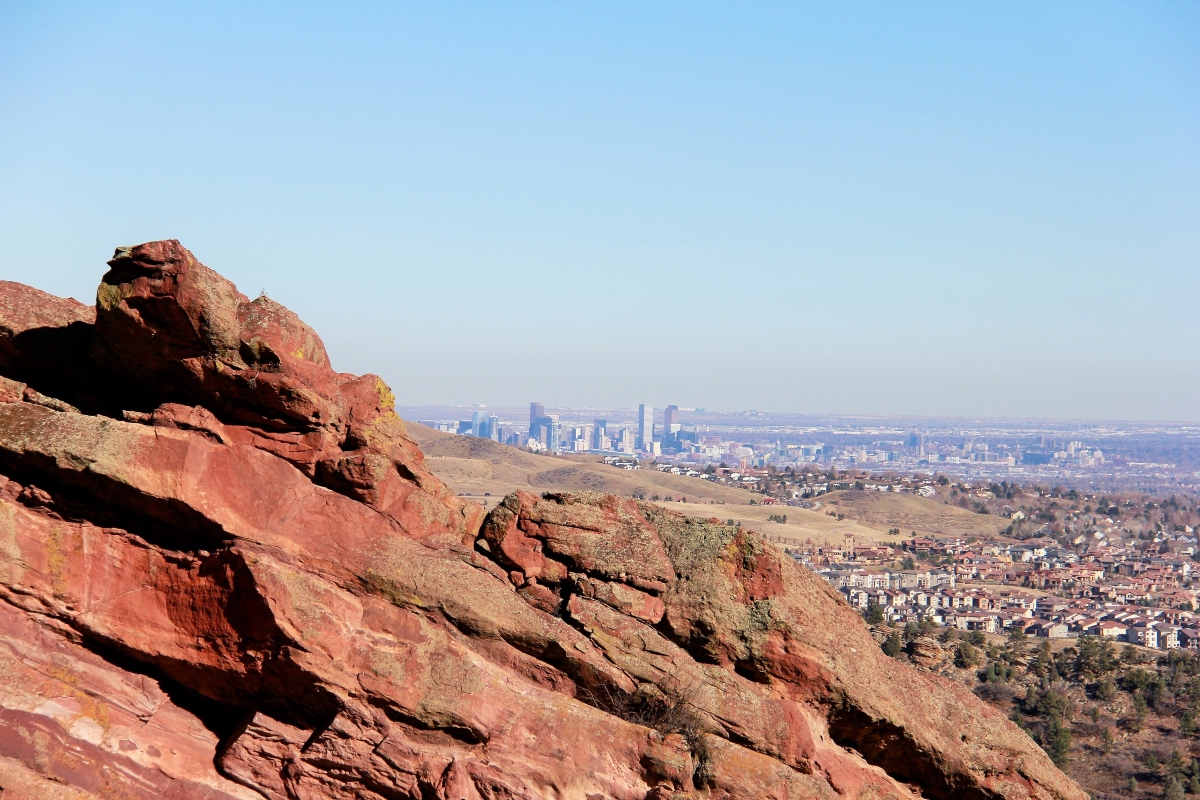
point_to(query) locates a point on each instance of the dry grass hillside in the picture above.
(487, 471)
(801, 524)
(912, 513)
(479, 467)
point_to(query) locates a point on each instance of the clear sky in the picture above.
(890, 208)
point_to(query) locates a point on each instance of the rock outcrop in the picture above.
(226, 572)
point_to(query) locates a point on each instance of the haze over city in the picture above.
(841, 209)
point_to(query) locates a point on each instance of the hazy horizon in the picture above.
(520, 412)
(928, 210)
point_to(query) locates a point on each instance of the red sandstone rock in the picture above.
(229, 574)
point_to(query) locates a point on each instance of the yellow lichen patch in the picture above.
(108, 296)
(385, 665)
(63, 676)
(56, 561)
(111, 788)
(306, 606)
(11, 562)
(454, 672)
(95, 709)
(387, 400)
(89, 706)
(390, 590)
(429, 510)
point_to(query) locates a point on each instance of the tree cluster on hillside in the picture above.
(1112, 716)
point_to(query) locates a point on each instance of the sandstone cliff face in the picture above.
(227, 573)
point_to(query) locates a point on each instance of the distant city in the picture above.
(1106, 455)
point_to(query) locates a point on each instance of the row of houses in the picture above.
(842, 576)
(978, 610)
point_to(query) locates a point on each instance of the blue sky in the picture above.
(881, 208)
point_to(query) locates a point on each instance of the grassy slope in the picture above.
(477, 466)
(912, 513)
(801, 524)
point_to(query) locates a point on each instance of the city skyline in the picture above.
(1124, 455)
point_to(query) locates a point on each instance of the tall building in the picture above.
(671, 428)
(601, 434)
(645, 425)
(536, 410)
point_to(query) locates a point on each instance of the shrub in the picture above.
(1137, 679)
(966, 656)
(997, 672)
(997, 693)
(892, 645)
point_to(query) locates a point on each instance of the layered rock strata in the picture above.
(227, 573)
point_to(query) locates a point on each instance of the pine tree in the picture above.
(1057, 742)
(892, 645)
(1176, 766)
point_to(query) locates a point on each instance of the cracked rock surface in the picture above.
(226, 572)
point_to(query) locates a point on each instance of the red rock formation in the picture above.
(227, 573)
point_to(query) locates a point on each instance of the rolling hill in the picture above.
(486, 471)
(911, 512)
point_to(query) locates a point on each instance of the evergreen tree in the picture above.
(966, 656)
(1031, 700)
(1057, 742)
(1139, 713)
(892, 645)
(1176, 766)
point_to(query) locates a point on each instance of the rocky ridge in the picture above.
(227, 573)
